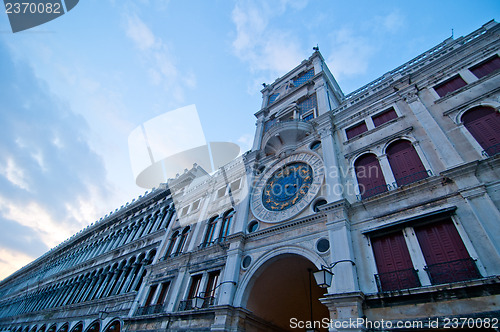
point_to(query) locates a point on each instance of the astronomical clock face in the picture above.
(287, 188)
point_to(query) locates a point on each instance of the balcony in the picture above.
(453, 271)
(189, 304)
(367, 193)
(285, 134)
(492, 150)
(149, 310)
(412, 178)
(397, 280)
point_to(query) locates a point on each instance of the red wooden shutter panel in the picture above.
(444, 252)
(450, 85)
(487, 67)
(371, 180)
(484, 124)
(394, 265)
(384, 117)
(405, 163)
(356, 130)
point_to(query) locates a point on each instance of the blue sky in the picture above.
(73, 89)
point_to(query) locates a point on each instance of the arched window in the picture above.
(484, 125)
(405, 163)
(226, 225)
(209, 235)
(182, 241)
(170, 248)
(371, 180)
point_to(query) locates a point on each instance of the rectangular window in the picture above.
(450, 85)
(152, 291)
(221, 192)
(394, 265)
(303, 77)
(307, 104)
(195, 287)
(445, 254)
(185, 210)
(196, 205)
(235, 185)
(486, 67)
(356, 130)
(384, 117)
(272, 98)
(163, 292)
(213, 277)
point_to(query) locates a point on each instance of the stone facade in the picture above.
(394, 188)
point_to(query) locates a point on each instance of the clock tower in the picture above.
(288, 155)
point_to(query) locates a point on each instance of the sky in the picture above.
(72, 90)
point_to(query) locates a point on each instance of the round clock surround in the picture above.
(287, 188)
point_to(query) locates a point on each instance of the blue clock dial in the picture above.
(287, 186)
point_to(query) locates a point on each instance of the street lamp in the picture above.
(324, 275)
(199, 300)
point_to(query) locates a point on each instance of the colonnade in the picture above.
(118, 278)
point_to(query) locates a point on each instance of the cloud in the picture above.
(392, 22)
(158, 59)
(47, 169)
(245, 142)
(263, 47)
(140, 34)
(351, 53)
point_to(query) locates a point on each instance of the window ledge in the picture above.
(440, 292)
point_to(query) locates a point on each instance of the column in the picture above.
(387, 170)
(104, 285)
(344, 299)
(97, 287)
(141, 229)
(487, 216)
(446, 151)
(149, 225)
(133, 233)
(333, 172)
(259, 132)
(86, 295)
(133, 271)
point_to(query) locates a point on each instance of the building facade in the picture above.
(393, 188)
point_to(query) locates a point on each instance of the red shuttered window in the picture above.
(394, 265)
(371, 180)
(484, 124)
(445, 254)
(356, 130)
(450, 85)
(487, 67)
(405, 163)
(384, 117)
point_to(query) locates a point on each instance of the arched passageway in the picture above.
(283, 289)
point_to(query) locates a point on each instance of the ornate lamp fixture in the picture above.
(324, 276)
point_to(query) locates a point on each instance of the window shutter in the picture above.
(384, 117)
(485, 68)
(484, 125)
(356, 130)
(450, 85)
(394, 265)
(371, 180)
(405, 163)
(444, 252)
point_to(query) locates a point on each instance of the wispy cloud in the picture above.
(351, 53)
(257, 42)
(158, 59)
(47, 169)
